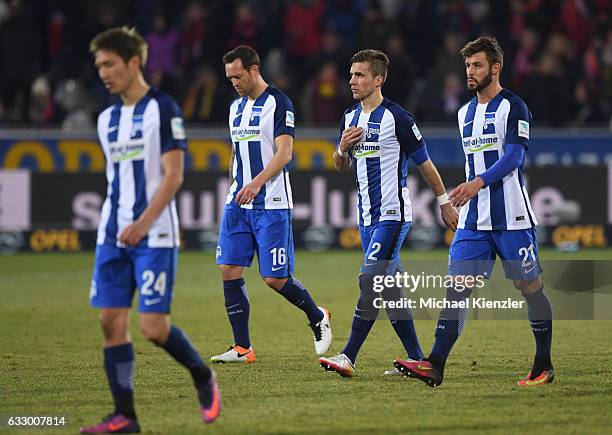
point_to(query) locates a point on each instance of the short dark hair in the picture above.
(124, 41)
(489, 45)
(379, 62)
(246, 54)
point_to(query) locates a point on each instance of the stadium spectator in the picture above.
(345, 17)
(74, 99)
(5, 11)
(244, 29)
(455, 17)
(388, 8)
(276, 69)
(206, 99)
(332, 50)
(56, 28)
(547, 94)
(192, 38)
(564, 52)
(452, 97)
(421, 19)
(606, 64)
(588, 106)
(303, 24)
(325, 96)
(376, 27)
(42, 108)
(447, 62)
(19, 62)
(524, 58)
(163, 42)
(399, 84)
(575, 21)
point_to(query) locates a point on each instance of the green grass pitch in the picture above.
(51, 360)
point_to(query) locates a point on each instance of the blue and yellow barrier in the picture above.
(72, 156)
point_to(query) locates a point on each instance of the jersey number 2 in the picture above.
(375, 250)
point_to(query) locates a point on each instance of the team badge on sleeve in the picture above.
(289, 119)
(523, 129)
(178, 130)
(416, 132)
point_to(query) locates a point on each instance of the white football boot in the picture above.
(340, 364)
(322, 333)
(235, 354)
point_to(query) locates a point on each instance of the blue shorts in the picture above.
(381, 244)
(118, 272)
(245, 231)
(473, 253)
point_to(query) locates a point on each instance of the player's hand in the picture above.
(133, 233)
(350, 137)
(465, 191)
(449, 216)
(248, 193)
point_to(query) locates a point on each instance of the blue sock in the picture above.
(363, 319)
(539, 311)
(181, 349)
(449, 328)
(403, 324)
(238, 309)
(119, 366)
(295, 292)
(359, 332)
(407, 333)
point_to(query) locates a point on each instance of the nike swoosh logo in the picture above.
(536, 381)
(152, 301)
(420, 367)
(110, 130)
(240, 355)
(232, 306)
(274, 269)
(113, 427)
(529, 270)
(468, 123)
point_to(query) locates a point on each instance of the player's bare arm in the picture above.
(282, 156)
(350, 137)
(172, 164)
(431, 175)
(465, 191)
(231, 166)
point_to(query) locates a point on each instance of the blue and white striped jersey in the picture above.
(381, 160)
(254, 124)
(133, 139)
(485, 131)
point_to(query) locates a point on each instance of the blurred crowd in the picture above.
(558, 54)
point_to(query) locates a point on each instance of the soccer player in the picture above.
(257, 216)
(377, 137)
(496, 216)
(143, 140)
